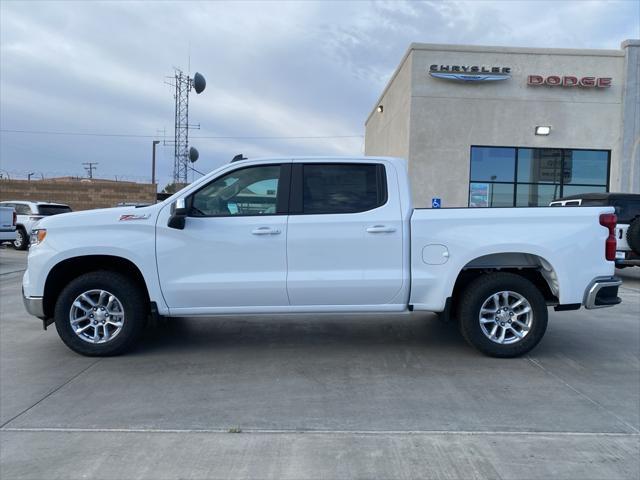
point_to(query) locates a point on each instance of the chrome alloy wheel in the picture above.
(96, 316)
(19, 241)
(506, 317)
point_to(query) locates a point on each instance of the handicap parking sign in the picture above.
(436, 202)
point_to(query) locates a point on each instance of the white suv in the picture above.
(28, 214)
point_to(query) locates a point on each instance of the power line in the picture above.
(83, 134)
(90, 167)
(213, 137)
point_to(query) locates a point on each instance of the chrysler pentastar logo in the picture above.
(470, 73)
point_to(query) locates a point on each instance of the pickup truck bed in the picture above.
(557, 243)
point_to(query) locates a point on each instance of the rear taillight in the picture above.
(15, 218)
(609, 221)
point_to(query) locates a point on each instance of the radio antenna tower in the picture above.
(183, 155)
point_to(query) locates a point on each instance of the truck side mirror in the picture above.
(178, 216)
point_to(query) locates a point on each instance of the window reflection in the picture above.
(540, 165)
(536, 195)
(532, 177)
(586, 167)
(493, 164)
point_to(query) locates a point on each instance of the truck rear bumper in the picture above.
(602, 292)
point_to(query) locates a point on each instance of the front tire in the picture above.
(502, 315)
(101, 314)
(22, 239)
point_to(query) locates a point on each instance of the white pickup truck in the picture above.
(316, 235)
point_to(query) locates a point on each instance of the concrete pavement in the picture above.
(321, 397)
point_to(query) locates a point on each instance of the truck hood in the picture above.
(101, 217)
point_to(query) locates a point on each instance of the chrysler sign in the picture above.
(470, 73)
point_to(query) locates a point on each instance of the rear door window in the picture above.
(329, 188)
(53, 209)
(22, 209)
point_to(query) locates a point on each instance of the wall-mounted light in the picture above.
(380, 108)
(543, 130)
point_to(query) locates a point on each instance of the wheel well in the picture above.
(532, 267)
(65, 271)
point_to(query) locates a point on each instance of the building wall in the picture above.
(447, 117)
(388, 133)
(630, 161)
(78, 194)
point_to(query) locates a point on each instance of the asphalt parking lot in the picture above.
(321, 397)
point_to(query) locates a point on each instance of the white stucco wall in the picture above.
(629, 177)
(387, 133)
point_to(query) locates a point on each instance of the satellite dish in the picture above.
(193, 154)
(199, 83)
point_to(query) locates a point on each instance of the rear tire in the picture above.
(22, 239)
(101, 314)
(502, 302)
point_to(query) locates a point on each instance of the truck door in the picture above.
(232, 250)
(345, 238)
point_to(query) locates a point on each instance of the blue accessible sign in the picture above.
(436, 202)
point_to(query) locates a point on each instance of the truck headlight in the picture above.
(37, 236)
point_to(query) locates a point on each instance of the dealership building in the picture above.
(498, 126)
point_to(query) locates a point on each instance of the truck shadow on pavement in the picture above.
(175, 335)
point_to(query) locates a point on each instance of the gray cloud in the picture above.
(273, 69)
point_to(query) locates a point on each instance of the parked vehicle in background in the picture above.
(627, 207)
(7, 224)
(28, 215)
(317, 235)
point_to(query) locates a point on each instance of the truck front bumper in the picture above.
(34, 306)
(602, 292)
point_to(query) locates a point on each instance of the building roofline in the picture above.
(518, 50)
(393, 77)
(496, 49)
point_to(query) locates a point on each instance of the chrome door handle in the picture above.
(380, 229)
(265, 231)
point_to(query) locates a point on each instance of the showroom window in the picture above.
(533, 177)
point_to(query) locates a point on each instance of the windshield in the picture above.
(53, 209)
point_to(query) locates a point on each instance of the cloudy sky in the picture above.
(273, 69)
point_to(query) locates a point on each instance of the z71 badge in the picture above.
(131, 216)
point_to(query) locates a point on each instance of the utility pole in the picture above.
(153, 161)
(90, 167)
